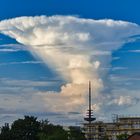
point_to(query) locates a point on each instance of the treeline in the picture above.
(30, 128)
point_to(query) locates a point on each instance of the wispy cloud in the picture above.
(25, 83)
(134, 51)
(116, 58)
(118, 68)
(12, 47)
(24, 86)
(123, 78)
(8, 50)
(21, 62)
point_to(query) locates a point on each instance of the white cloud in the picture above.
(8, 50)
(11, 47)
(118, 79)
(119, 68)
(123, 100)
(21, 62)
(135, 51)
(78, 49)
(13, 86)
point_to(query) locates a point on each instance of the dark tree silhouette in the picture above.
(5, 132)
(25, 129)
(76, 134)
(52, 132)
(29, 128)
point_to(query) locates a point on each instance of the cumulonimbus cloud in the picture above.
(76, 48)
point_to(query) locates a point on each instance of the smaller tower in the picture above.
(89, 116)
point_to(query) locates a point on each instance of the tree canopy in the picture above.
(29, 128)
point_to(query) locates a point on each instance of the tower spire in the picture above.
(89, 95)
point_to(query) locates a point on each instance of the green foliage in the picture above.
(52, 132)
(25, 129)
(106, 138)
(76, 134)
(122, 136)
(29, 128)
(42, 136)
(5, 132)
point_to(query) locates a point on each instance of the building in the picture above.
(123, 125)
(135, 136)
(98, 130)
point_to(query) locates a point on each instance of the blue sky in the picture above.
(97, 9)
(18, 66)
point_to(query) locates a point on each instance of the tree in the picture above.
(76, 134)
(105, 137)
(58, 134)
(122, 136)
(42, 136)
(29, 128)
(5, 132)
(52, 132)
(25, 129)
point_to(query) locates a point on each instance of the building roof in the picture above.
(135, 136)
(128, 118)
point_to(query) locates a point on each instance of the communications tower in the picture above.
(89, 117)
